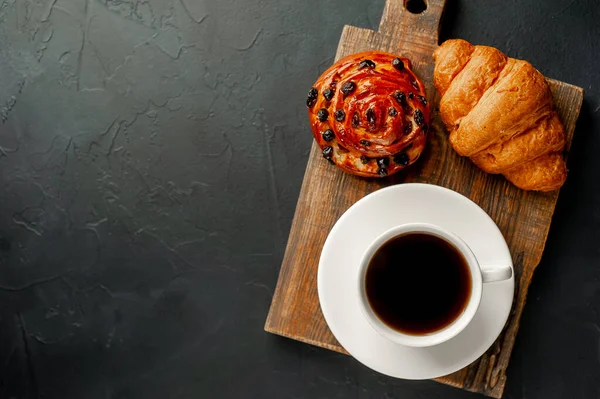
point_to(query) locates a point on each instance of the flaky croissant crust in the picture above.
(499, 112)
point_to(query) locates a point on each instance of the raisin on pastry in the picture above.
(369, 114)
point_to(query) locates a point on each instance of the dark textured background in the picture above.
(151, 155)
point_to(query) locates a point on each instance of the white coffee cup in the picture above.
(480, 274)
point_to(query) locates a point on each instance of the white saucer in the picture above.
(338, 268)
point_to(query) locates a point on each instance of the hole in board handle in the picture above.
(415, 6)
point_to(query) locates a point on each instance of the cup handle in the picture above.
(491, 274)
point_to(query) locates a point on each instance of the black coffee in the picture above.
(418, 283)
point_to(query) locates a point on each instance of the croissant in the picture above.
(499, 112)
(369, 114)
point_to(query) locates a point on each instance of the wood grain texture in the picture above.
(327, 192)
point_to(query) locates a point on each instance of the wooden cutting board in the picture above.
(327, 192)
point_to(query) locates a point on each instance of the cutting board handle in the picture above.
(400, 21)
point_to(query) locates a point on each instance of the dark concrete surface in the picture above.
(151, 155)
